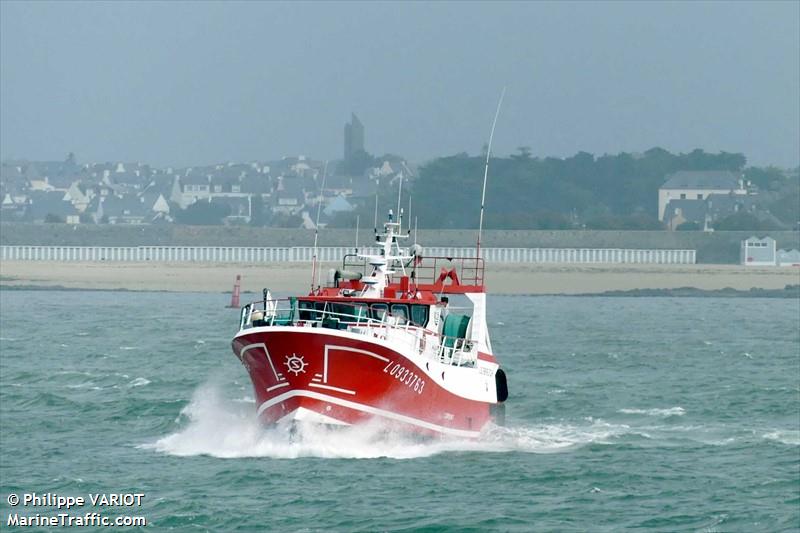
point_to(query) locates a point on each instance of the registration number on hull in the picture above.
(405, 376)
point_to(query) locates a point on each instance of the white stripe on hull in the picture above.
(464, 382)
(366, 409)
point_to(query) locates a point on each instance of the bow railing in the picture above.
(286, 312)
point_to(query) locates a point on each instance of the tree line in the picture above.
(583, 191)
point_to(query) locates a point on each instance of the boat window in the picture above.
(379, 311)
(307, 311)
(400, 311)
(348, 311)
(361, 311)
(338, 310)
(419, 314)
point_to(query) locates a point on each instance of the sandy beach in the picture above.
(296, 277)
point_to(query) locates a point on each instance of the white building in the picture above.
(697, 185)
(758, 252)
(194, 187)
(788, 258)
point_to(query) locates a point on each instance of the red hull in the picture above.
(350, 380)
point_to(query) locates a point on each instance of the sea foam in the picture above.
(227, 428)
(789, 437)
(671, 411)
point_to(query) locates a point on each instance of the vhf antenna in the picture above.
(316, 226)
(486, 170)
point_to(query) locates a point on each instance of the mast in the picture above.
(399, 210)
(357, 220)
(408, 214)
(390, 254)
(486, 170)
(316, 226)
(375, 223)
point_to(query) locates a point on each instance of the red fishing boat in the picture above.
(381, 340)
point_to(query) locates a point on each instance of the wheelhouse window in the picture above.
(419, 315)
(361, 311)
(348, 312)
(307, 310)
(400, 311)
(378, 311)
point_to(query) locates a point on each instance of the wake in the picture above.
(224, 428)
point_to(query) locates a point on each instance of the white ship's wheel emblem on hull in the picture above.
(295, 364)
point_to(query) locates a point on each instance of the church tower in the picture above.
(353, 137)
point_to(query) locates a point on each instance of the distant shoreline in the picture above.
(512, 278)
(788, 292)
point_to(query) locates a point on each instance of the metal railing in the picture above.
(429, 269)
(228, 254)
(454, 351)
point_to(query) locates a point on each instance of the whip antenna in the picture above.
(375, 224)
(399, 213)
(357, 220)
(486, 169)
(409, 213)
(316, 226)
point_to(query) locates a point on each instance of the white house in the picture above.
(758, 252)
(194, 186)
(697, 185)
(79, 198)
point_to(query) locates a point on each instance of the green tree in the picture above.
(202, 213)
(524, 153)
(283, 220)
(624, 222)
(689, 226)
(257, 211)
(742, 221)
(766, 178)
(582, 187)
(357, 164)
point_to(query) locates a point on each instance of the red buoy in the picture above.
(235, 293)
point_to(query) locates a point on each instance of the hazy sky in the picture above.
(180, 83)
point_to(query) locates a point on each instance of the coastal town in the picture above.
(304, 192)
(511, 267)
(282, 193)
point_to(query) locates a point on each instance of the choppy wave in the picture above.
(226, 428)
(670, 411)
(139, 382)
(86, 385)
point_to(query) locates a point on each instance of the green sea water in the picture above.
(656, 414)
